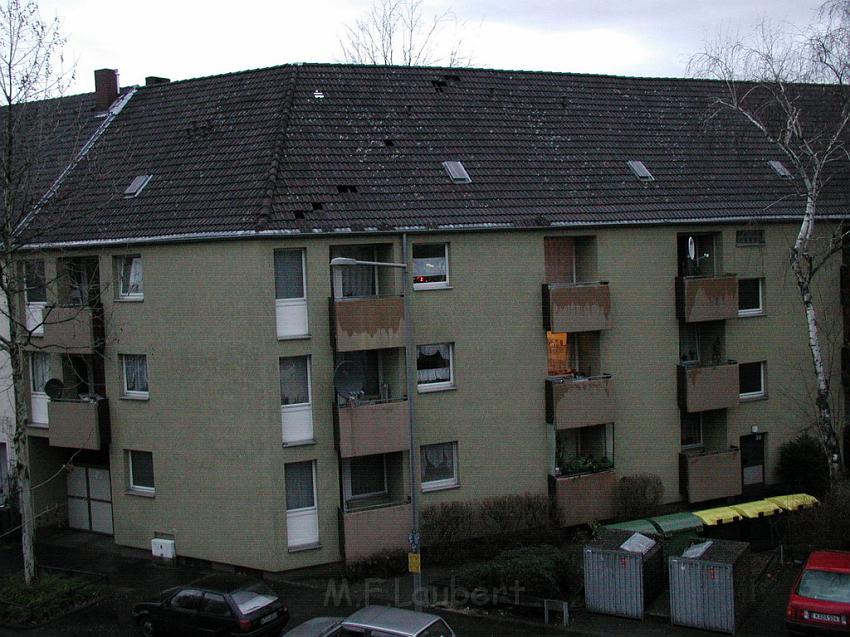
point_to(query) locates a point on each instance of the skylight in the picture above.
(780, 169)
(457, 172)
(137, 185)
(640, 171)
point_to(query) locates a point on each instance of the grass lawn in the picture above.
(51, 596)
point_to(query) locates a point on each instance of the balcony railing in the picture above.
(707, 298)
(579, 402)
(372, 322)
(375, 530)
(79, 424)
(710, 475)
(368, 428)
(703, 388)
(583, 498)
(581, 307)
(71, 330)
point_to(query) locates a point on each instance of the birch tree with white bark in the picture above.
(792, 87)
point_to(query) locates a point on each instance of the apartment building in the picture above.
(598, 286)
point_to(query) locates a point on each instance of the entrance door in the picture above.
(752, 464)
(90, 500)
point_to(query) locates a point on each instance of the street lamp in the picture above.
(409, 355)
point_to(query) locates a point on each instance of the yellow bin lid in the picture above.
(719, 515)
(794, 501)
(757, 509)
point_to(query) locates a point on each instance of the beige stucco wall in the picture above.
(207, 326)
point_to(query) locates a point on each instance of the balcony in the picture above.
(708, 298)
(708, 387)
(375, 530)
(70, 330)
(79, 424)
(710, 475)
(573, 402)
(374, 427)
(582, 307)
(583, 498)
(363, 323)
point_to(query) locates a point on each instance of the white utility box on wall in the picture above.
(163, 548)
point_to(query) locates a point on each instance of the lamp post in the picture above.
(410, 357)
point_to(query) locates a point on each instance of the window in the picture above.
(640, 170)
(457, 172)
(40, 371)
(36, 289)
(750, 297)
(439, 466)
(691, 425)
(294, 380)
(365, 476)
(750, 237)
(302, 517)
(355, 280)
(135, 375)
(434, 367)
(562, 353)
(188, 599)
(437, 629)
(584, 449)
(130, 281)
(751, 378)
(430, 266)
(141, 471)
(215, 604)
(290, 294)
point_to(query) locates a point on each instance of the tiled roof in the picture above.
(325, 148)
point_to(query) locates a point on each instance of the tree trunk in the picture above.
(803, 275)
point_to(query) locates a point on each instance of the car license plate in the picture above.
(268, 618)
(834, 619)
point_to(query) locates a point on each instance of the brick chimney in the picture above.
(105, 88)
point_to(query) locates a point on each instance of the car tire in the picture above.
(146, 624)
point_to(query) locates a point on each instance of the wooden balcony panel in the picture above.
(584, 498)
(368, 323)
(710, 475)
(376, 530)
(707, 298)
(709, 387)
(68, 330)
(580, 402)
(576, 308)
(367, 429)
(78, 424)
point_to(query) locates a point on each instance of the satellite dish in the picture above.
(54, 388)
(349, 379)
(692, 249)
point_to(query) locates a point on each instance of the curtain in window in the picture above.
(34, 280)
(136, 373)
(299, 485)
(438, 462)
(433, 363)
(289, 274)
(357, 280)
(367, 475)
(40, 363)
(131, 275)
(142, 468)
(294, 384)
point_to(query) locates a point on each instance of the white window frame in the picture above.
(131, 481)
(448, 483)
(760, 309)
(122, 294)
(303, 411)
(423, 388)
(292, 312)
(296, 515)
(761, 393)
(346, 481)
(134, 394)
(434, 285)
(701, 443)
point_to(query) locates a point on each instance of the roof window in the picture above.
(319, 94)
(457, 172)
(343, 188)
(136, 186)
(780, 169)
(640, 171)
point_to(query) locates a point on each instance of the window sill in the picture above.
(749, 313)
(295, 337)
(39, 425)
(750, 399)
(304, 547)
(299, 443)
(129, 299)
(427, 389)
(448, 487)
(141, 494)
(426, 287)
(141, 397)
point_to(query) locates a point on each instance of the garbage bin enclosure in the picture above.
(618, 581)
(711, 586)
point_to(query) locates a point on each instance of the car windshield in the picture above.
(253, 596)
(825, 585)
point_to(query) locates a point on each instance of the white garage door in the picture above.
(90, 500)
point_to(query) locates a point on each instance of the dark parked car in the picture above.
(820, 600)
(214, 605)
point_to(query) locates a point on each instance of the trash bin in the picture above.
(795, 501)
(623, 572)
(677, 529)
(723, 523)
(711, 586)
(759, 523)
(635, 526)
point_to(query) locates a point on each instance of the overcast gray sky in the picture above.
(181, 39)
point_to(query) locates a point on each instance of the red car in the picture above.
(820, 600)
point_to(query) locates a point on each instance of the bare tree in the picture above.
(398, 32)
(791, 87)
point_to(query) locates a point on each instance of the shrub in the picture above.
(823, 527)
(49, 596)
(384, 565)
(803, 465)
(638, 496)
